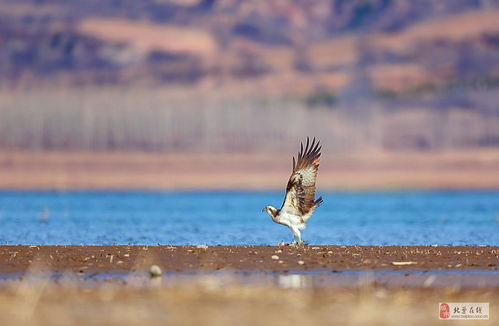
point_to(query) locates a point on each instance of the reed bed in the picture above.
(198, 120)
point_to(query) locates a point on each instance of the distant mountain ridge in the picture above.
(401, 45)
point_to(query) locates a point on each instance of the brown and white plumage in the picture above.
(300, 203)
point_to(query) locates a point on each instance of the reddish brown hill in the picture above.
(287, 45)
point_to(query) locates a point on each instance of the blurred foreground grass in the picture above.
(209, 303)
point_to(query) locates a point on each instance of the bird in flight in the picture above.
(299, 203)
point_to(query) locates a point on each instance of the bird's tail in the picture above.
(318, 202)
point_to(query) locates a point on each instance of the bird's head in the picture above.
(272, 211)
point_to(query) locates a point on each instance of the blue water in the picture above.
(235, 218)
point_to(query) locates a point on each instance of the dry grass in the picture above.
(453, 28)
(145, 36)
(400, 77)
(206, 302)
(345, 51)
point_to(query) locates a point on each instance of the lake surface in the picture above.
(236, 218)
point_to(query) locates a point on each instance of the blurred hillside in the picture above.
(289, 45)
(232, 75)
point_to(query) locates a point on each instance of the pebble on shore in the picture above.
(155, 271)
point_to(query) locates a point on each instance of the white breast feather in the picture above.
(290, 220)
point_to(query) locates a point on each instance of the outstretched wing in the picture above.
(300, 191)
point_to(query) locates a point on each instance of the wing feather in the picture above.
(300, 191)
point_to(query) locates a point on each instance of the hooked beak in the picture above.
(263, 209)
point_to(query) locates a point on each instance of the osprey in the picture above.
(299, 203)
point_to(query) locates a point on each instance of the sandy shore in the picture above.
(474, 169)
(103, 259)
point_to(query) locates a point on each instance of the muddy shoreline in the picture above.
(277, 259)
(222, 285)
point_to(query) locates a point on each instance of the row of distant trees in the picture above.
(176, 121)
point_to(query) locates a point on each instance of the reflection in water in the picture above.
(294, 281)
(437, 278)
(464, 278)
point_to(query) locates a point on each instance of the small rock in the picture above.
(403, 263)
(315, 248)
(275, 257)
(155, 271)
(278, 251)
(202, 246)
(301, 262)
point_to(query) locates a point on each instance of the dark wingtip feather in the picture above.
(309, 154)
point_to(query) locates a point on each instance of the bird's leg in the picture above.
(296, 236)
(300, 241)
(294, 242)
